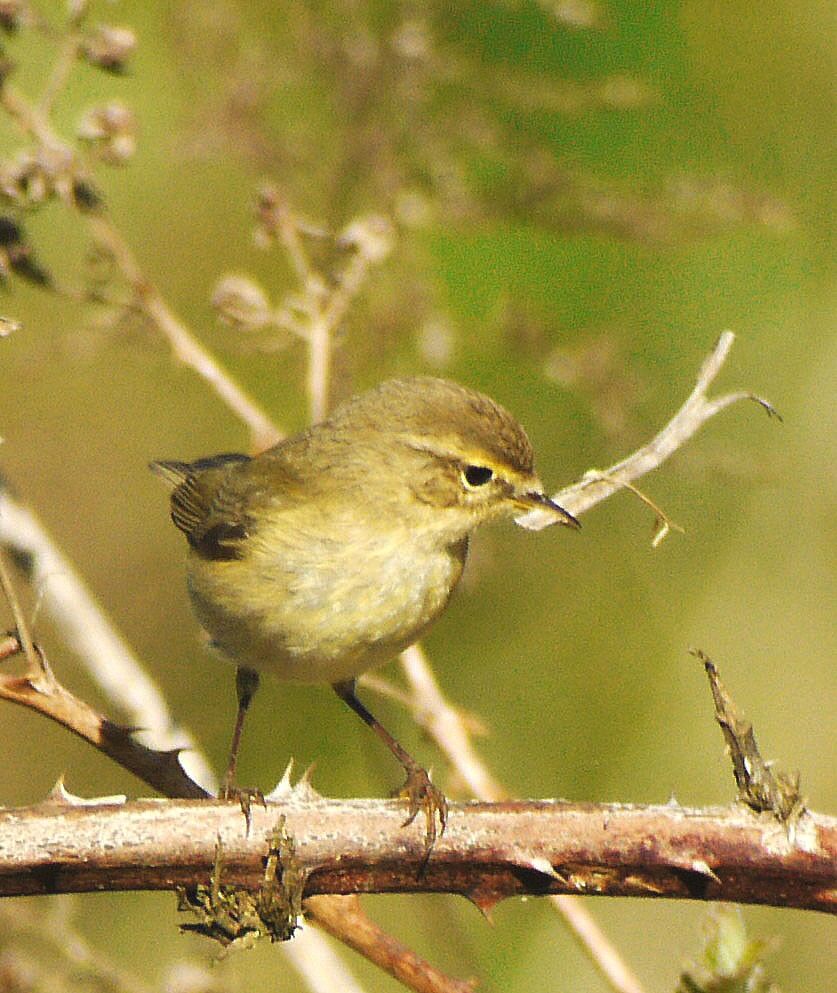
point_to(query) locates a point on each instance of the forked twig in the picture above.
(596, 486)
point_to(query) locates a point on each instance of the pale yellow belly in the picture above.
(316, 624)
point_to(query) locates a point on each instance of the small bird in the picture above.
(330, 553)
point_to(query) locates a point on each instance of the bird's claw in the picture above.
(245, 796)
(422, 794)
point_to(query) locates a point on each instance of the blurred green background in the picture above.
(581, 210)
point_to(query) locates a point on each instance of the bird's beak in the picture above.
(535, 500)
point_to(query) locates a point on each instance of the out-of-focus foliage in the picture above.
(574, 199)
(731, 962)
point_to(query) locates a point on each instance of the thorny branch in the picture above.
(488, 852)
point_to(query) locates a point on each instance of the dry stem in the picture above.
(596, 486)
(488, 852)
(184, 345)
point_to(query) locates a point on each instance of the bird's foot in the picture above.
(421, 794)
(245, 796)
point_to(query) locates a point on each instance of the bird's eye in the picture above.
(476, 475)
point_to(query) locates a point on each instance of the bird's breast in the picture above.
(324, 604)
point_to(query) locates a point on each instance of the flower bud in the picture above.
(372, 236)
(109, 47)
(112, 130)
(241, 303)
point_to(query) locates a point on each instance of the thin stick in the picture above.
(343, 916)
(596, 944)
(21, 625)
(316, 329)
(314, 958)
(596, 486)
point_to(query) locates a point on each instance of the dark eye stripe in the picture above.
(477, 475)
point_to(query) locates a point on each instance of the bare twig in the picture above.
(314, 328)
(344, 917)
(488, 853)
(596, 486)
(593, 941)
(314, 958)
(318, 307)
(327, 319)
(22, 627)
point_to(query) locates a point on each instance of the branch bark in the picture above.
(489, 851)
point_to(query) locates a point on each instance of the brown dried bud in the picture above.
(33, 178)
(241, 303)
(16, 256)
(12, 13)
(27, 180)
(109, 47)
(112, 131)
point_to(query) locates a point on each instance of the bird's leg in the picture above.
(418, 788)
(246, 684)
